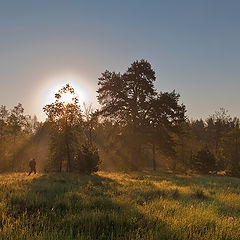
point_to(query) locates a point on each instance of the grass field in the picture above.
(142, 205)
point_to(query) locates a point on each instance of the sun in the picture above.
(54, 83)
(67, 98)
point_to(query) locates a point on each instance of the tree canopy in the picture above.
(131, 100)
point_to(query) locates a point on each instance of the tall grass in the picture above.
(142, 205)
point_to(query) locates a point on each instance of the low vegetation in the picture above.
(137, 205)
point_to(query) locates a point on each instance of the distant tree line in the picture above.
(212, 145)
(142, 128)
(141, 118)
(135, 128)
(16, 130)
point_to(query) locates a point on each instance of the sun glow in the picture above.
(52, 85)
(56, 83)
(67, 98)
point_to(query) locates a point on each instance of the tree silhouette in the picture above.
(126, 99)
(64, 118)
(204, 161)
(16, 121)
(90, 123)
(131, 100)
(3, 124)
(164, 117)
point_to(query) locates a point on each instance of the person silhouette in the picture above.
(32, 165)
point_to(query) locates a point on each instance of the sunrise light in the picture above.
(67, 98)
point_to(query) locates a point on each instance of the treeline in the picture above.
(134, 120)
(146, 129)
(212, 145)
(136, 127)
(16, 131)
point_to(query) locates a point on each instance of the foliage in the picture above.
(144, 116)
(220, 133)
(16, 129)
(149, 206)
(87, 159)
(204, 161)
(136, 127)
(70, 128)
(65, 122)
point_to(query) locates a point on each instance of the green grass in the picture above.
(142, 205)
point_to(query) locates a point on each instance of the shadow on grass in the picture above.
(83, 207)
(203, 189)
(206, 181)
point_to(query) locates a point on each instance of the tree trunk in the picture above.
(14, 152)
(67, 146)
(68, 158)
(68, 151)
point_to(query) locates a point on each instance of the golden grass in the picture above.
(139, 205)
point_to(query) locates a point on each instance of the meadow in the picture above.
(140, 205)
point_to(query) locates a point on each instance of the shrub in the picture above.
(204, 161)
(87, 159)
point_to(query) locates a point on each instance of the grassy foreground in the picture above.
(143, 205)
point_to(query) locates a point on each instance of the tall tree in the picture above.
(126, 98)
(131, 100)
(165, 116)
(90, 118)
(16, 123)
(217, 125)
(3, 123)
(64, 116)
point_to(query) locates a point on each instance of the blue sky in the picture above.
(194, 47)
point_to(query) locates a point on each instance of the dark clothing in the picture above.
(32, 165)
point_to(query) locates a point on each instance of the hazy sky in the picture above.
(194, 47)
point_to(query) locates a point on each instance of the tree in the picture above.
(204, 161)
(164, 117)
(3, 137)
(17, 131)
(131, 100)
(184, 147)
(108, 139)
(125, 98)
(87, 159)
(3, 124)
(217, 126)
(67, 128)
(90, 123)
(198, 128)
(16, 122)
(65, 118)
(230, 145)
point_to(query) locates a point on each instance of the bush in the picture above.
(204, 161)
(87, 159)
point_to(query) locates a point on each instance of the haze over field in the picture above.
(119, 120)
(192, 45)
